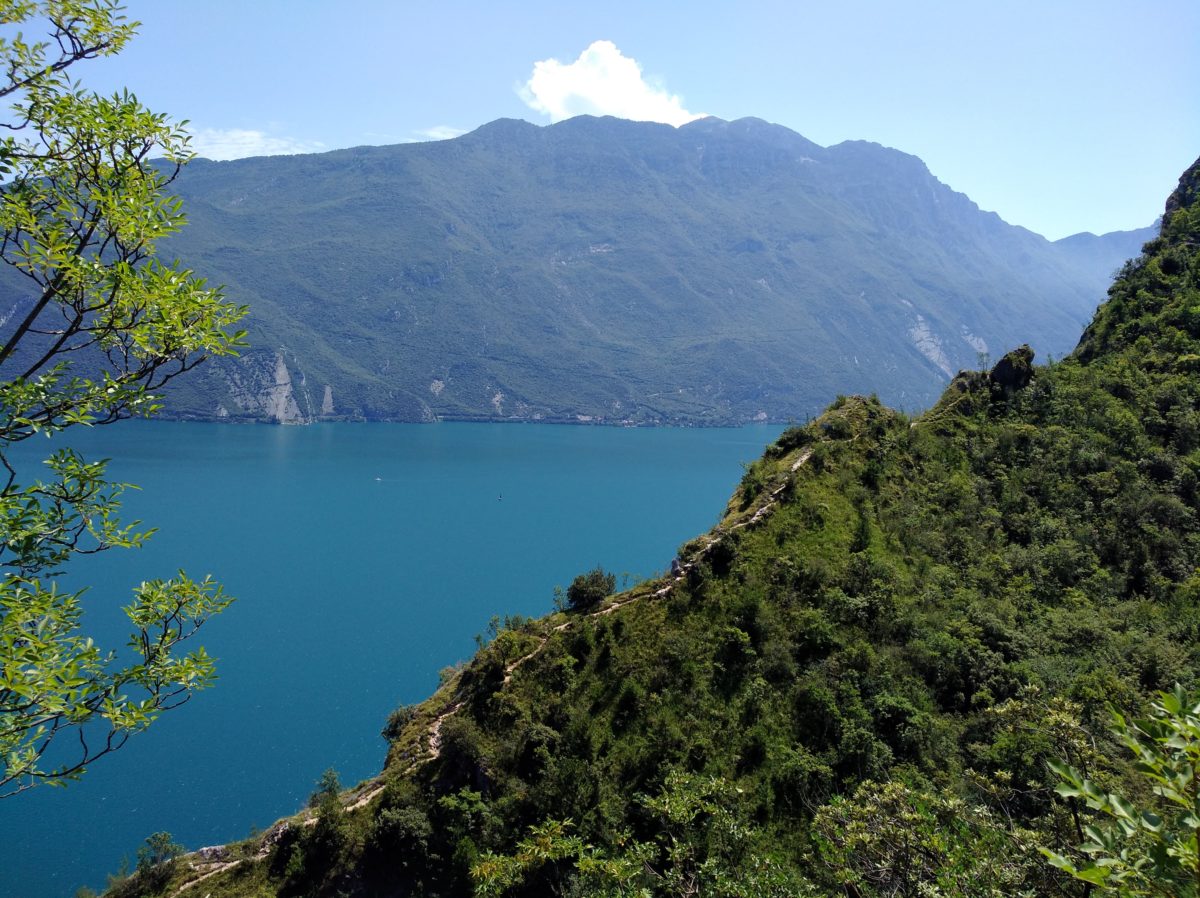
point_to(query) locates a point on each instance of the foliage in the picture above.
(100, 325)
(311, 855)
(590, 588)
(159, 849)
(397, 721)
(157, 860)
(329, 786)
(1019, 737)
(892, 840)
(1149, 850)
(700, 845)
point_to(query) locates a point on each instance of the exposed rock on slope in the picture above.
(256, 388)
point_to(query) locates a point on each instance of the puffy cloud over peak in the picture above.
(602, 81)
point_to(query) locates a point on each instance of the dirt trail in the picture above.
(681, 572)
(207, 870)
(375, 790)
(435, 731)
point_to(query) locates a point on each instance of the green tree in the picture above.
(893, 840)
(157, 862)
(329, 786)
(159, 849)
(317, 855)
(1134, 851)
(590, 588)
(703, 844)
(100, 324)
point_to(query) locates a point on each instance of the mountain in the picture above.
(1091, 253)
(607, 270)
(853, 684)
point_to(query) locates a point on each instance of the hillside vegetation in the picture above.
(853, 684)
(607, 270)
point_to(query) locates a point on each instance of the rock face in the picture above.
(280, 400)
(615, 271)
(1014, 371)
(1184, 196)
(930, 345)
(262, 391)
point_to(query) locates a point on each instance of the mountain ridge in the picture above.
(613, 271)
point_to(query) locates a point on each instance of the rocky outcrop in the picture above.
(280, 399)
(263, 389)
(1184, 196)
(1014, 371)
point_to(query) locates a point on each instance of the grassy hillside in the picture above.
(615, 271)
(851, 686)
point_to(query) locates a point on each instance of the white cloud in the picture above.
(440, 132)
(422, 135)
(602, 81)
(238, 143)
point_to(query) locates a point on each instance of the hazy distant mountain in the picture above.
(1092, 253)
(612, 270)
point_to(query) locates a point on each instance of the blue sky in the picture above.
(1061, 116)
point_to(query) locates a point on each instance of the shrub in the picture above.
(1147, 850)
(156, 863)
(397, 721)
(590, 588)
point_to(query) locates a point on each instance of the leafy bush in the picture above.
(590, 588)
(397, 721)
(1150, 850)
(892, 840)
(157, 860)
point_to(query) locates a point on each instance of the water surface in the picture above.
(364, 559)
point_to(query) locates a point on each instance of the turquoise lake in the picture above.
(364, 559)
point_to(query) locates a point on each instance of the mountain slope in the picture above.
(941, 603)
(1091, 253)
(612, 270)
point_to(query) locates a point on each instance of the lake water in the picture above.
(364, 559)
